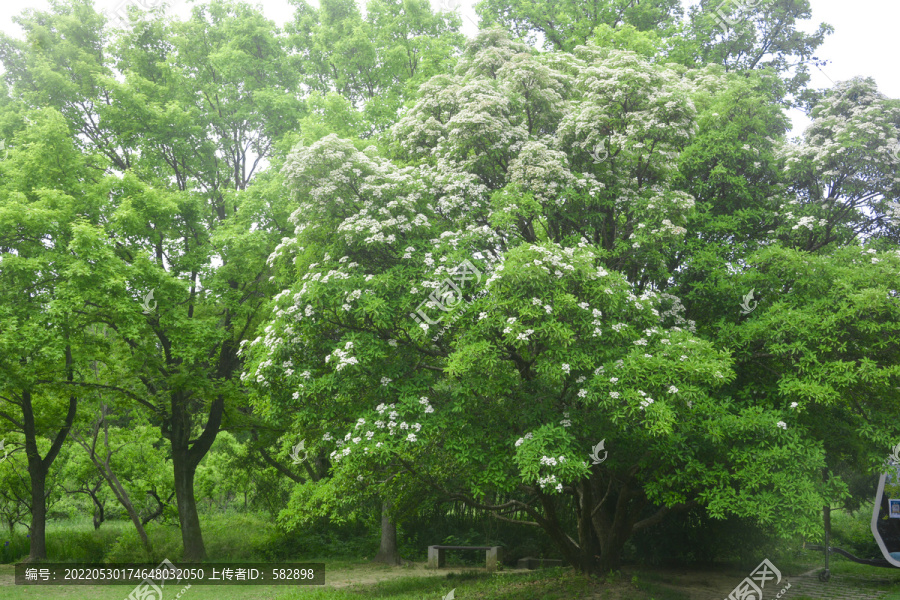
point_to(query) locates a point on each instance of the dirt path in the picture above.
(372, 573)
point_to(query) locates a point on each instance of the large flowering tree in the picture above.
(476, 314)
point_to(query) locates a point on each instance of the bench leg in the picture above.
(435, 557)
(494, 557)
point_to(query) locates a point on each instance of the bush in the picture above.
(852, 532)
(166, 542)
(13, 548)
(346, 540)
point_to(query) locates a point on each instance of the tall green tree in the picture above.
(478, 322)
(741, 36)
(195, 113)
(49, 208)
(378, 61)
(565, 25)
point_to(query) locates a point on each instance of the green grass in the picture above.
(557, 585)
(228, 537)
(549, 584)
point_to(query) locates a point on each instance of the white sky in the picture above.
(864, 42)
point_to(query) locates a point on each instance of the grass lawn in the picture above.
(362, 580)
(348, 580)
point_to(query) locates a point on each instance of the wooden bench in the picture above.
(538, 563)
(493, 555)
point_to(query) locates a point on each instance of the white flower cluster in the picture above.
(808, 222)
(521, 440)
(550, 480)
(676, 311)
(342, 357)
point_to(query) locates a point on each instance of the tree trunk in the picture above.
(550, 524)
(98, 515)
(186, 455)
(587, 540)
(123, 498)
(39, 467)
(160, 506)
(109, 476)
(188, 517)
(38, 549)
(387, 552)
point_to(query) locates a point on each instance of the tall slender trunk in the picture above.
(99, 516)
(105, 468)
(388, 552)
(125, 501)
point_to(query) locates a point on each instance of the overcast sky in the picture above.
(865, 41)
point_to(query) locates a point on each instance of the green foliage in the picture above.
(853, 532)
(374, 62)
(573, 330)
